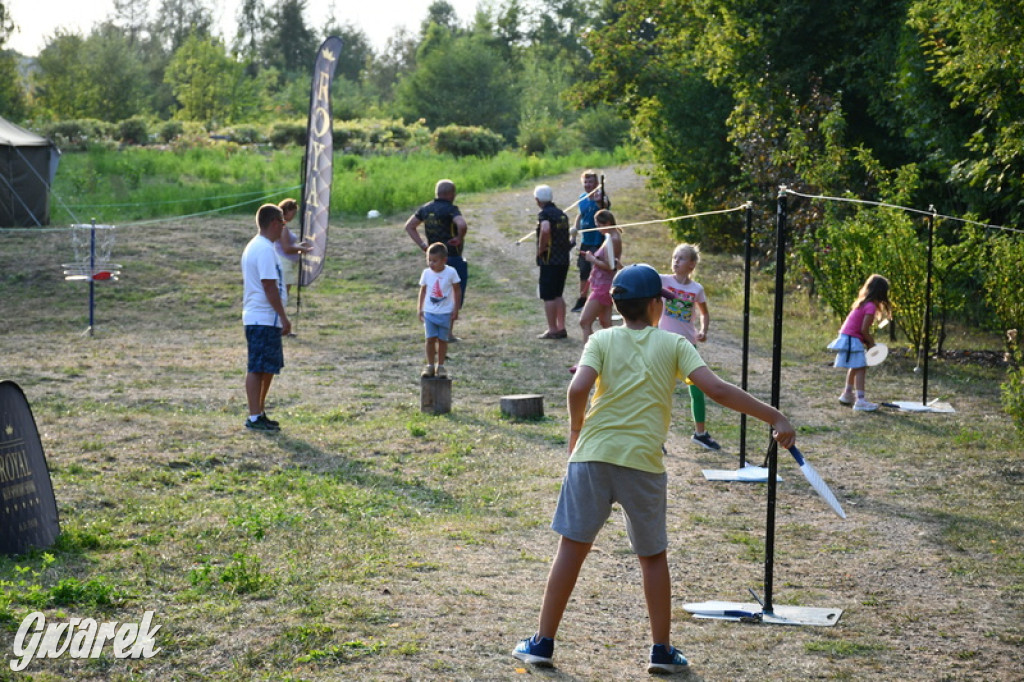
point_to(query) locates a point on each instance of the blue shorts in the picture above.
(585, 503)
(266, 354)
(437, 326)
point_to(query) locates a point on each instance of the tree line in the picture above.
(504, 69)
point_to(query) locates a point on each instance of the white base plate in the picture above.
(782, 615)
(933, 406)
(748, 474)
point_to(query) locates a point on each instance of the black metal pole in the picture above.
(928, 308)
(780, 275)
(746, 327)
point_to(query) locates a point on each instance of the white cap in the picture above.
(542, 192)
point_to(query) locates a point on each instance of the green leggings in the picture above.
(697, 403)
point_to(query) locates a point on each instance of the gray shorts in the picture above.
(585, 503)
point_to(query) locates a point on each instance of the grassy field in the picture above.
(126, 185)
(369, 541)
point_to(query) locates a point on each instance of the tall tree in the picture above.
(131, 16)
(62, 78)
(250, 35)
(12, 96)
(356, 51)
(463, 82)
(290, 44)
(440, 13)
(117, 87)
(396, 60)
(177, 20)
(977, 57)
(210, 87)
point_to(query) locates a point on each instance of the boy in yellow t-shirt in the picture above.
(615, 448)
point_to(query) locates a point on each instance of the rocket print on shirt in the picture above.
(436, 295)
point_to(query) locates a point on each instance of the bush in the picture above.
(79, 133)
(246, 134)
(1013, 388)
(134, 130)
(284, 133)
(602, 128)
(466, 141)
(170, 131)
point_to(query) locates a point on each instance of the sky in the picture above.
(38, 19)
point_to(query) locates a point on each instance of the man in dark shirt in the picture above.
(443, 222)
(553, 249)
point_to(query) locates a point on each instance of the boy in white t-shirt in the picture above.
(440, 293)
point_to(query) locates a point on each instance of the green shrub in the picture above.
(170, 131)
(466, 141)
(79, 133)
(1013, 391)
(602, 128)
(284, 133)
(134, 130)
(245, 134)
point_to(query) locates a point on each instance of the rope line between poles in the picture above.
(165, 219)
(882, 204)
(673, 219)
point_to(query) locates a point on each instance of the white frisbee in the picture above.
(876, 354)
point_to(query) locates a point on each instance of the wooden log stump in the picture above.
(523, 406)
(435, 395)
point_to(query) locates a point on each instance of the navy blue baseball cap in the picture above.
(639, 280)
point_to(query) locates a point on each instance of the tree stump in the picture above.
(523, 406)
(435, 395)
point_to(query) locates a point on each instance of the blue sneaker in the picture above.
(667, 659)
(535, 652)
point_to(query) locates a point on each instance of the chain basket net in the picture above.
(92, 245)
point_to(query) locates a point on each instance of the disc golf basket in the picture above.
(92, 245)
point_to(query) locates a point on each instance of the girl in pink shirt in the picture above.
(855, 337)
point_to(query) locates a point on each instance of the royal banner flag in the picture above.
(318, 162)
(28, 510)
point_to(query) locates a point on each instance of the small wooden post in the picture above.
(435, 395)
(523, 406)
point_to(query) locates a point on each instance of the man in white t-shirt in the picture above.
(263, 314)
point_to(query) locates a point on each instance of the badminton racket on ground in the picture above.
(817, 482)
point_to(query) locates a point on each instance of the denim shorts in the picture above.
(437, 326)
(585, 503)
(266, 354)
